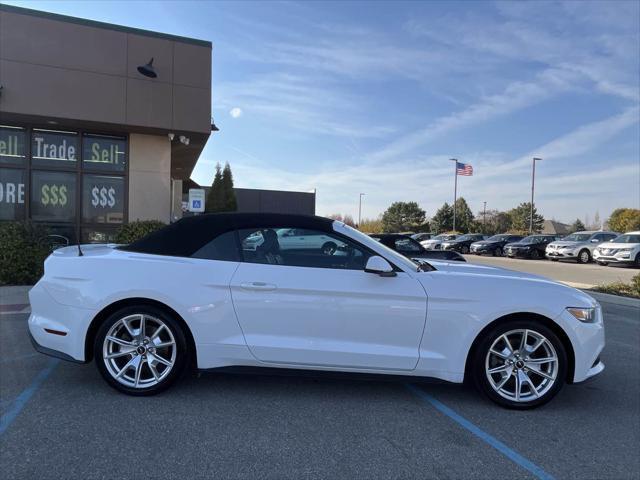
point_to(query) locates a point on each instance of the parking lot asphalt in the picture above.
(581, 275)
(60, 420)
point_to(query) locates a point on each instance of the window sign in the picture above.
(101, 152)
(12, 194)
(49, 147)
(102, 199)
(53, 196)
(12, 146)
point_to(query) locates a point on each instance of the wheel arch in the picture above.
(128, 302)
(546, 321)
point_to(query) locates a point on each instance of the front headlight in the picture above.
(625, 249)
(586, 315)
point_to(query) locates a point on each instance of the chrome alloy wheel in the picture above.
(139, 351)
(521, 365)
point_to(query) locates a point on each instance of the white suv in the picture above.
(622, 249)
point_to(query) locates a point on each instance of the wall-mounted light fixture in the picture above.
(171, 136)
(148, 70)
(183, 139)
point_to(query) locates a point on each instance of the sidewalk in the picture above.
(14, 299)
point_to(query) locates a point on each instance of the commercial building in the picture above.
(99, 123)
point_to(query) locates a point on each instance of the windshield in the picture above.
(577, 237)
(498, 238)
(627, 239)
(532, 239)
(375, 245)
(466, 237)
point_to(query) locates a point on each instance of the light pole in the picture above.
(484, 218)
(360, 210)
(533, 183)
(455, 189)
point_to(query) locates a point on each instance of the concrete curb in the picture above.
(614, 299)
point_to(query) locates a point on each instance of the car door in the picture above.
(316, 309)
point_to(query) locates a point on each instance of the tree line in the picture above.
(408, 216)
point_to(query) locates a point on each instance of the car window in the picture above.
(627, 239)
(407, 245)
(306, 248)
(223, 247)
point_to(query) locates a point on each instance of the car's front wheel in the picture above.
(497, 252)
(140, 350)
(520, 364)
(464, 249)
(584, 256)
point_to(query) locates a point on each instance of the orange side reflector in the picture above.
(55, 332)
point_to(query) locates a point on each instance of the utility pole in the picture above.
(360, 210)
(484, 218)
(533, 182)
(455, 189)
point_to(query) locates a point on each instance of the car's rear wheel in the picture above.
(140, 350)
(520, 364)
(584, 256)
(535, 255)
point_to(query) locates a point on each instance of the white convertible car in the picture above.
(190, 295)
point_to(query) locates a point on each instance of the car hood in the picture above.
(618, 245)
(567, 244)
(518, 244)
(485, 242)
(484, 270)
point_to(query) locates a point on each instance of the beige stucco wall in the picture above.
(149, 178)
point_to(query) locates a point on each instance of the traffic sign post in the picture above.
(196, 200)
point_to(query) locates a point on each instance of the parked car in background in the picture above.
(295, 238)
(533, 247)
(421, 237)
(408, 247)
(462, 243)
(435, 243)
(578, 246)
(494, 245)
(622, 249)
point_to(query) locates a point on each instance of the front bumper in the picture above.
(561, 254)
(619, 257)
(517, 253)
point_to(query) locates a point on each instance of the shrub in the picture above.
(130, 232)
(23, 249)
(631, 289)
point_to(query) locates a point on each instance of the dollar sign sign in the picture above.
(44, 197)
(63, 195)
(103, 197)
(112, 198)
(94, 196)
(54, 195)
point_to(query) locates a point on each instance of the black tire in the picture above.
(584, 256)
(180, 361)
(637, 262)
(464, 250)
(479, 362)
(534, 255)
(497, 252)
(553, 259)
(329, 248)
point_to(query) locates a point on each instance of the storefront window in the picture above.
(53, 196)
(12, 146)
(12, 193)
(102, 199)
(53, 148)
(106, 153)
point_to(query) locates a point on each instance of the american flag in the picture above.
(464, 169)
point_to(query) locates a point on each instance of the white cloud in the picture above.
(235, 112)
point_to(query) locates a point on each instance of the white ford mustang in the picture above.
(191, 295)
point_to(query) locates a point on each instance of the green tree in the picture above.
(464, 216)
(403, 216)
(624, 220)
(229, 198)
(371, 225)
(520, 218)
(577, 226)
(215, 198)
(496, 222)
(442, 221)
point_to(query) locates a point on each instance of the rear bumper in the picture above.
(52, 353)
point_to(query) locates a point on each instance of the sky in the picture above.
(376, 97)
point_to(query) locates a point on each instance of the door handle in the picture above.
(259, 286)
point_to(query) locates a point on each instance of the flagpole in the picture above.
(455, 189)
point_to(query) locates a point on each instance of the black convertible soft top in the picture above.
(188, 235)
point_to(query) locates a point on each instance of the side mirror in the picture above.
(379, 266)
